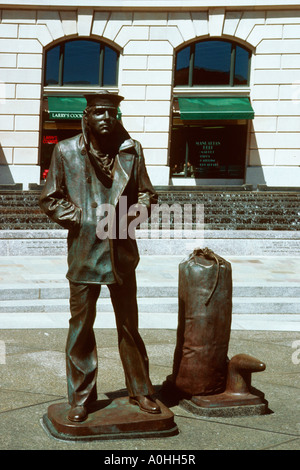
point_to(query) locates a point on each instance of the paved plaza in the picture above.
(32, 369)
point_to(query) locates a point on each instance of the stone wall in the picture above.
(147, 41)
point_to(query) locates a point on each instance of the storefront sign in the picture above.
(217, 151)
(207, 153)
(65, 115)
(50, 139)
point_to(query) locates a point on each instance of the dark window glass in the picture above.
(207, 152)
(81, 63)
(110, 67)
(182, 67)
(212, 63)
(241, 66)
(52, 66)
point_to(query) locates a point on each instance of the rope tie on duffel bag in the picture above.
(209, 254)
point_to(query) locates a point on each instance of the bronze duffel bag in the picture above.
(204, 322)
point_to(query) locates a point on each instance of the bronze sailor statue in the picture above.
(92, 169)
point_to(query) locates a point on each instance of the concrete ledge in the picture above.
(165, 321)
(223, 242)
(206, 188)
(30, 291)
(283, 189)
(11, 187)
(163, 305)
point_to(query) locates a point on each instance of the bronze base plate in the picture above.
(109, 419)
(225, 404)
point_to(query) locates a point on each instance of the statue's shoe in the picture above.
(146, 404)
(77, 414)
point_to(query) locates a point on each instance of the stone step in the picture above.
(259, 201)
(55, 320)
(289, 206)
(254, 226)
(247, 221)
(223, 210)
(10, 213)
(28, 292)
(174, 194)
(214, 226)
(26, 198)
(212, 204)
(241, 305)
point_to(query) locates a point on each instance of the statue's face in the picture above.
(102, 121)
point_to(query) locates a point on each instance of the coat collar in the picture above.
(122, 169)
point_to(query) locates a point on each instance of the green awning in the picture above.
(68, 107)
(215, 108)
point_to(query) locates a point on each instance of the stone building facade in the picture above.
(147, 37)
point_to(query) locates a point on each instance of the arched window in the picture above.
(209, 127)
(72, 68)
(82, 62)
(212, 62)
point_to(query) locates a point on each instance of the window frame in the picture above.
(192, 46)
(61, 45)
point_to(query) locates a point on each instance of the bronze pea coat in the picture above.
(72, 193)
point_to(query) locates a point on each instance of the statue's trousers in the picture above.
(81, 352)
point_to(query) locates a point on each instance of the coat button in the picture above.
(83, 152)
(94, 204)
